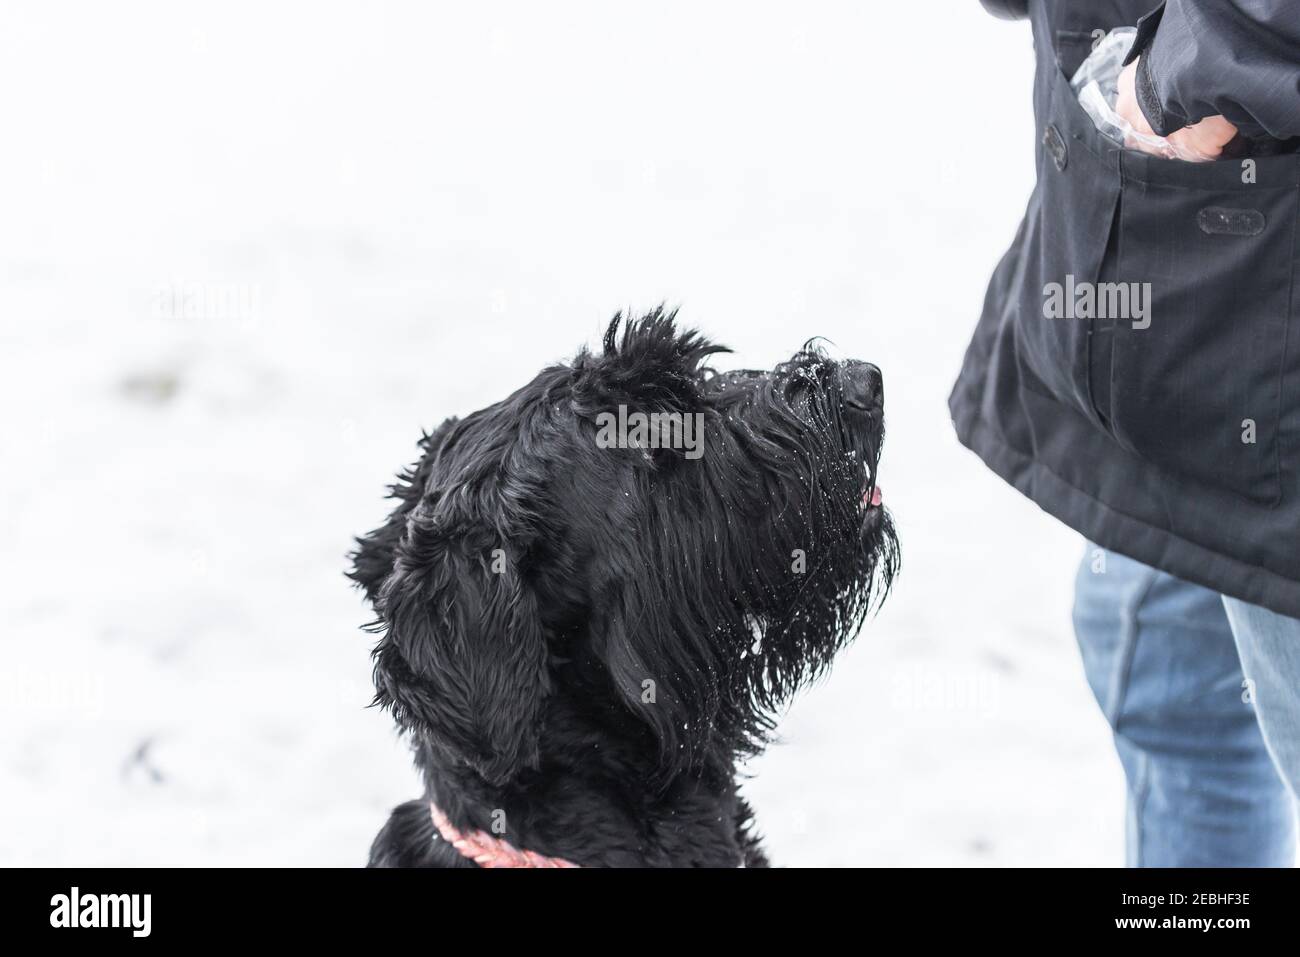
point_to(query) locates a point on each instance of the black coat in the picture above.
(1164, 425)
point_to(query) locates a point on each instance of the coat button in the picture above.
(1055, 146)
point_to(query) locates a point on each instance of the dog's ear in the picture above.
(462, 660)
(372, 560)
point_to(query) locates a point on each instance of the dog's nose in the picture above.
(864, 386)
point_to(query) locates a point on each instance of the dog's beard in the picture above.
(836, 548)
(772, 574)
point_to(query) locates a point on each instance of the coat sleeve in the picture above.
(1007, 9)
(1238, 58)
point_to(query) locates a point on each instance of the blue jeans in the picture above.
(1203, 695)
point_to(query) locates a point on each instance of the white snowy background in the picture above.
(415, 206)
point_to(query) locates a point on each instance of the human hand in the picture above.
(1199, 142)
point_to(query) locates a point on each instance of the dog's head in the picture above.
(633, 528)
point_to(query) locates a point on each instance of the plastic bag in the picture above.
(1096, 84)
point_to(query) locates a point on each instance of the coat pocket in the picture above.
(1196, 381)
(1067, 227)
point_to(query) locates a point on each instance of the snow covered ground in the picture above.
(247, 254)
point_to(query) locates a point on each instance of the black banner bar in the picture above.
(136, 907)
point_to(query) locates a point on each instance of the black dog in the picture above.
(583, 633)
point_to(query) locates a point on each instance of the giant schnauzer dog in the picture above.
(593, 595)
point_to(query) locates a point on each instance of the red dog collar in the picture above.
(488, 851)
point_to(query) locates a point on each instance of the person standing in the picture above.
(1136, 373)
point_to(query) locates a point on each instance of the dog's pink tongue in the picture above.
(875, 496)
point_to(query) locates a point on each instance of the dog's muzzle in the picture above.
(864, 403)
